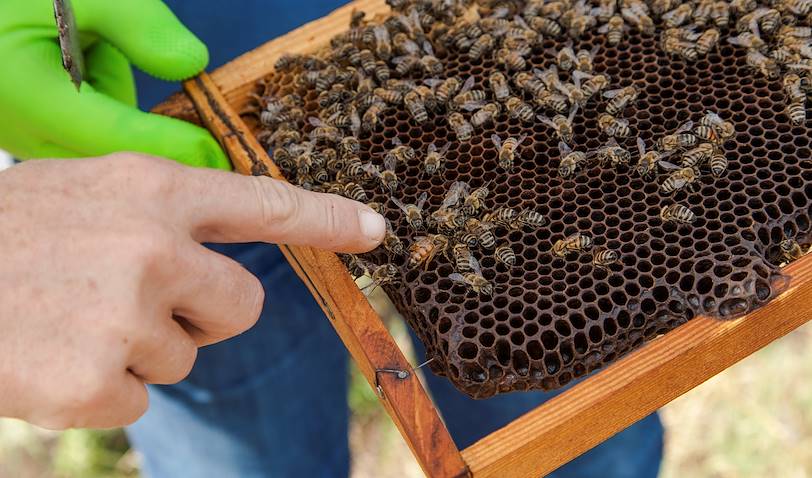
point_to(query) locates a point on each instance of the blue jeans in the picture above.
(273, 401)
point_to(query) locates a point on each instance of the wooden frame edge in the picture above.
(360, 328)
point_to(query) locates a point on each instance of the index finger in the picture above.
(226, 207)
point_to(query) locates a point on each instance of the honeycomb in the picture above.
(552, 320)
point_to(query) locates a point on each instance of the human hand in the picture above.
(104, 285)
(43, 114)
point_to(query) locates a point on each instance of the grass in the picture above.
(751, 421)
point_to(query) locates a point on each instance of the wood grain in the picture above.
(637, 385)
(362, 331)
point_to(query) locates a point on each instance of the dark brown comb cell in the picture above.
(552, 319)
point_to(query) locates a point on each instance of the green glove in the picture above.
(42, 115)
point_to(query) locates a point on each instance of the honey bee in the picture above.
(696, 156)
(571, 161)
(505, 217)
(530, 218)
(430, 63)
(387, 177)
(565, 57)
(790, 250)
(527, 82)
(718, 164)
(512, 60)
(796, 98)
(468, 97)
(605, 10)
(677, 16)
(748, 40)
(620, 98)
(701, 12)
(554, 101)
(383, 43)
(720, 13)
(462, 257)
(798, 7)
(413, 212)
(612, 153)
(545, 26)
(416, 106)
(372, 116)
(424, 248)
(482, 231)
(376, 206)
(355, 266)
(677, 213)
(505, 255)
(575, 95)
(713, 128)
(474, 201)
(561, 124)
(574, 243)
(348, 146)
(355, 192)
(391, 241)
(348, 119)
(499, 86)
(445, 89)
(638, 19)
(518, 109)
(680, 178)
(400, 152)
(649, 160)
(455, 193)
(481, 46)
(612, 126)
(406, 64)
(548, 76)
(287, 62)
(584, 59)
(613, 29)
(474, 280)
(353, 168)
(322, 132)
(707, 41)
(485, 115)
(382, 275)
(681, 138)
(590, 84)
(390, 96)
(684, 49)
(462, 128)
(435, 158)
(603, 258)
(507, 150)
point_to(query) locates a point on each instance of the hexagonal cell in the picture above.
(546, 319)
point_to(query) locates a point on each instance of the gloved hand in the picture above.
(42, 115)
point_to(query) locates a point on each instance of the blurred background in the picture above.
(753, 420)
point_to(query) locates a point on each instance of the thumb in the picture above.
(225, 207)
(148, 34)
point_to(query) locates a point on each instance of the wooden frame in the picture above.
(557, 431)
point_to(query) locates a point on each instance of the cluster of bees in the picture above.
(376, 67)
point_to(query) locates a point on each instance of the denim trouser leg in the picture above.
(269, 403)
(272, 402)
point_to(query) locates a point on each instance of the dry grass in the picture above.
(753, 420)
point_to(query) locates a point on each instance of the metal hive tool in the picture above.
(552, 320)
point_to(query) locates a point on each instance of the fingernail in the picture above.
(372, 224)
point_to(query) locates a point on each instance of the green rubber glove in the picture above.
(41, 113)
